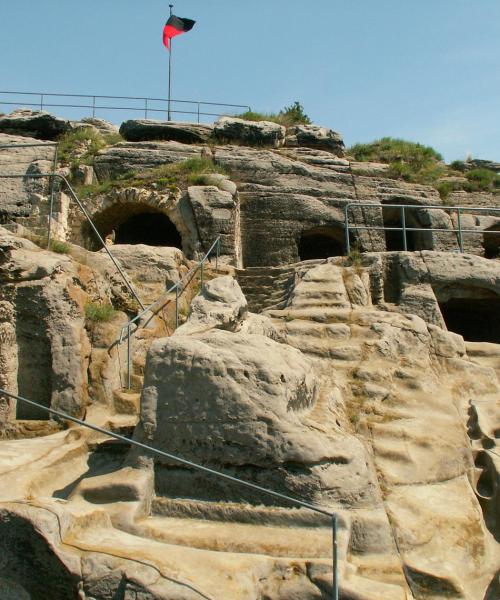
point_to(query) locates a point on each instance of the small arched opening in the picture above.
(491, 242)
(321, 242)
(133, 224)
(394, 238)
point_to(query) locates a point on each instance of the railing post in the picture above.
(346, 230)
(176, 307)
(51, 201)
(41, 101)
(129, 358)
(335, 566)
(93, 107)
(403, 226)
(460, 236)
(145, 108)
(198, 112)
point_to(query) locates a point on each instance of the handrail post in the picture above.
(346, 230)
(177, 307)
(145, 108)
(93, 107)
(51, 201)
(460, 236)
(198, 112)
(129, 358)
(403, 226)
(335, 559)
(41, 101)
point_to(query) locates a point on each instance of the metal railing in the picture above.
(82, 208)
(404, 229)
(94, 103)
(164, 299)
(212, 472)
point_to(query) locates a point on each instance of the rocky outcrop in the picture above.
(141, 130)
(137, 156)
(316, 137)
(220, 304)
(249, 133)
(217, 215)
(33, 123)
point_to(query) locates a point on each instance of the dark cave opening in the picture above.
(150, 228)
(321, 242)
(394, 239)
(491, 242)
(476, 320)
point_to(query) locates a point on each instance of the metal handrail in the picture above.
(198, 104)
(208, 471)
(178, 288)
(87, 216)
(459, 209)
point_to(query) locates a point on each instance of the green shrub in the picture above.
(99, 312)
(409, 161)
(483, 179)
(293, 115)
(288, 116)
(95, 141)
(60, 247)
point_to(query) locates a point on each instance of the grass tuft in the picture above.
(88, 139)
(60, 247)
(99, 312)
(193, 171)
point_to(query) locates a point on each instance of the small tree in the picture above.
(294, 115)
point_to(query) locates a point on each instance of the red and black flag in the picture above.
(176, 26)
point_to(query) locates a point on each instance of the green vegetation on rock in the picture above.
(83, 144)
(409, 161)
(99, 312)
(288, 116)
(60, 247)
(193, 171)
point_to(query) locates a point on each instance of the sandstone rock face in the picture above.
(142, 130)
(220, 304)
(217, 215)
(33, 123)
(221, 420)
(102, 126)
(135, 156)
(23, 197)
(250, 133)
(313, 136)
(41, 293)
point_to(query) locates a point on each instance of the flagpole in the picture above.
(169, 117)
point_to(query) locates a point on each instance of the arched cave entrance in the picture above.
(491, 242)
(133, 224)
(415, 240)
(321, 242)
(150, 228)
(475, 319)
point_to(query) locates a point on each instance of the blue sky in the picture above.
(424, 70)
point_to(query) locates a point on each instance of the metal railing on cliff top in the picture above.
(93, 103)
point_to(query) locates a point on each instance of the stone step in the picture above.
(127, 402)
(245, 538)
